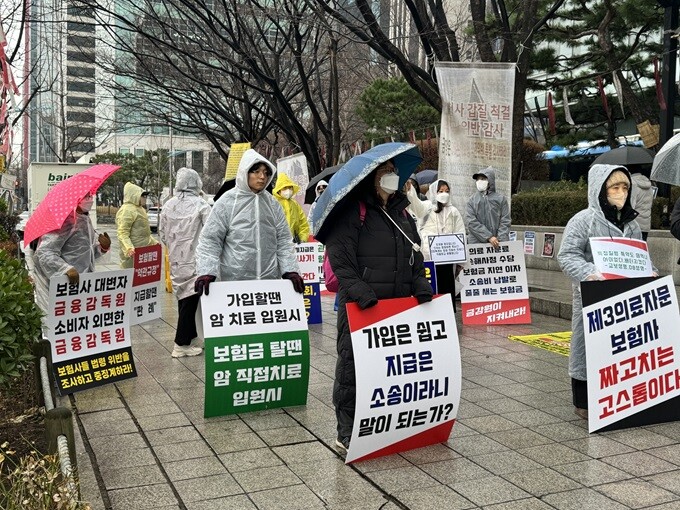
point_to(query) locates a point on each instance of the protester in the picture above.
(179, 226)
(642, 198)
(284, 191)
(437, 216)
(609, 214)
(488, 213)
(372, 253)
(71, 250)
(246, 236)
(132, 224)
(319, 189)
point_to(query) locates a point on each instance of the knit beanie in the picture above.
(617, 177)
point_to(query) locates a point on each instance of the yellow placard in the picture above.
(553, 342)
(235, 154)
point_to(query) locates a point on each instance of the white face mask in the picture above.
(287, 193)
(86, 204)
(617, 199)
(482, 185)
(389, 183)
(443, 197)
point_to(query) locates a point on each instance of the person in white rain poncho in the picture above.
(69, 251)
(181, 221)
(319, 189)
(437, 216)
(487, 213)
(609, 214)
(247, 235)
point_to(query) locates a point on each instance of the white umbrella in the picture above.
(666, 166)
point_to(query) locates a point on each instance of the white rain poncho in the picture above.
(181, 221)
(576, 258)
(75, 245)
(246, 236)
(313, 206)
(447, 221)
(488, 213)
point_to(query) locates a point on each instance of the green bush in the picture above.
(552, 205)
(19, 319)
(8, 222)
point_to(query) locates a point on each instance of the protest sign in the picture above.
(548, 245)
(529, 242)
(256, 347)
(621, 257)
(448, 248)
(513, 235)
(495, 288)
(308, 256)
(236, 151)
(408, 375)
(431, 274)
(89, 330)
(146, 284)
(632, 356)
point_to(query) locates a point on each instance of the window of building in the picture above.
(139, 153)
(123, 150)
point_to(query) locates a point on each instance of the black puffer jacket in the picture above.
(371, 261)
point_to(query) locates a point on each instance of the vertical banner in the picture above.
(529, 242)
(632, 353)
(256, 347)
(476, 130)
(308, 256)
(548, 245)
(408, 375)
(621, 257)
(146, 284)
(495, 288)
(89, 329)
(295, 167)
(236, 151)
(431, 274)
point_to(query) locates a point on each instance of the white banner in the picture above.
(621, 257)
(632, 354)
(295, 167)
(310, 260)
(448, 248)
(476, 130)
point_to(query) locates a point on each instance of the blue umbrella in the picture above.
(405, 156)
(426, 176)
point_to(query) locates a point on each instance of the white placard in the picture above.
(448, 248)
(310, 260)
(529, 242)
(621, 257)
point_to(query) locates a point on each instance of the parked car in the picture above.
(153, 213)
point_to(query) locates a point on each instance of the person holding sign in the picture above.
(179, 226)
(374, 252)
(609, 214)
(284, 191)
(437, 216)
(488, 213)
(132, 224)
(246, 236)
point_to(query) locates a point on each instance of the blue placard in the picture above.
(313, 303)
(431, 274)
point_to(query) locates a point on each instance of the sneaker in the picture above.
(180, 351)
(197, 342)
(342, 443)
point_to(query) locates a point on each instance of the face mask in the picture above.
(389, 183)
(617, 199)
(482, 185)
(287, 193)
(443, 198)
(86, 204)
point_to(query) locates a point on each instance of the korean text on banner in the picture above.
(448, 248)
(408, 375)
(146, 284)
(256, 347)
(310, 258)
(89, 330)
(295, 167)
(476, 130)
(632, 353)
(621, 257)
(431, 274)
(529, 242)
(236, 151)
(495, 288)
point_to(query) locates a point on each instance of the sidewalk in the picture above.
(516, 444)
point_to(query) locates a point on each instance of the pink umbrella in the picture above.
(63, 199)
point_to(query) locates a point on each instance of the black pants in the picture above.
(446, 281)
(186, 319)
(644, 236)
(579, 391)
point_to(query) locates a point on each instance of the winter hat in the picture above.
(617, 177)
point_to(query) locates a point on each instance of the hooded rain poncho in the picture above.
(576, 258)
(179, 227)
(311, 209)
(295, 216)
(488, 213)
(246, 236)
(132, 224)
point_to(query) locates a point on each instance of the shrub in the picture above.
(553, 204)
(19, 319)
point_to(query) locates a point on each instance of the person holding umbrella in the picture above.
(373, 247)
(132, 224)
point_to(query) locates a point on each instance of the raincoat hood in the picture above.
(188, 181)
(316, 189)
(490, 174)
(132, 194)
(283, 181)
(597, 177)
(432, 192)
(251, 157)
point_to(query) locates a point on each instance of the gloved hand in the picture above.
(424, 298)
(104, 241)
(203, 284)
(73, 276)
(130, 252)
(298, 282)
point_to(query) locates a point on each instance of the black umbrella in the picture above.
(310, 194)
(626, 156)
(426, 176)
